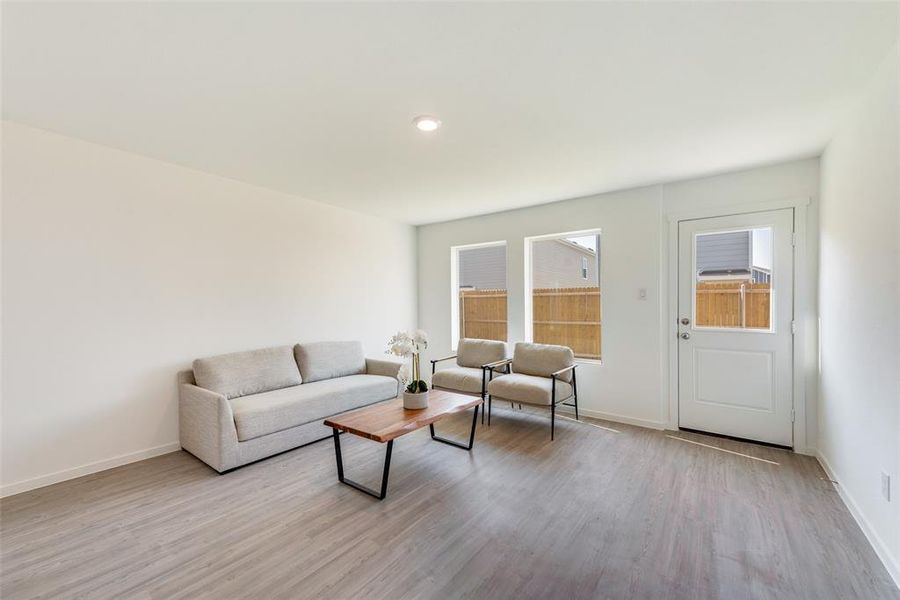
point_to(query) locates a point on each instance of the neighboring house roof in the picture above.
(725, 273)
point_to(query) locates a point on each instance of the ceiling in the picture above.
(540, 101)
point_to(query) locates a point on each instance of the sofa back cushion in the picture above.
(251, 372)
(327, 360)
(475, 353)
(542, 360)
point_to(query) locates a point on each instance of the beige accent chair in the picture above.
(540, 375)
(470, 374)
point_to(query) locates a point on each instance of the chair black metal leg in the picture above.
(552, 405)
(484, 389)
(457, 444)
(489, 410)
(552, 420)
(575, 393)
(384, 476)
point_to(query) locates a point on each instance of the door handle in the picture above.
(685, 336)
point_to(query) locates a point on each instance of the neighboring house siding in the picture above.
(556, 263)
(483, 268)
(723, 251)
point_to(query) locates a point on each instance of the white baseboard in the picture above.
(891, 563)
(807, 451)
(94, 467)
(614, 417)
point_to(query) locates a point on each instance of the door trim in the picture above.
(801, 309)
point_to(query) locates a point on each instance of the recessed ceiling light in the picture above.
(426, 123)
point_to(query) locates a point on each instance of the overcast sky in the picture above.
(588, 241)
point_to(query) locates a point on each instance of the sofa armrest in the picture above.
(381, 366)
(206, 427)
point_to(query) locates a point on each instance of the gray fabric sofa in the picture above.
(238, 408)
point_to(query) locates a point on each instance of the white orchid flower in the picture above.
(403, 374)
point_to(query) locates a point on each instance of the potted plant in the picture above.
(405, 344)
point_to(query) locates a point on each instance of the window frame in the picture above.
(454, 286)
(529, 287)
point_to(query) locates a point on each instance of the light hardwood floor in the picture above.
(595, 514)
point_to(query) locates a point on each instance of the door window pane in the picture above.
(482, 292)
(734, 279)
(565, 288)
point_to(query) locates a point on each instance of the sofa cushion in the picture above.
(270, 412)
(251, 372)
(475, 353)
(327, 360)
(460, 379)
(528, 389)
(542, 360)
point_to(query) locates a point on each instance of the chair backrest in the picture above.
(542, 360)
(475, 353)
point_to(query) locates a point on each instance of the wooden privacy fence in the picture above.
(482, 314)
(571, 316)
(733, 304)
(567, 316)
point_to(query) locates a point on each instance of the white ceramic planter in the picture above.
(416, 401)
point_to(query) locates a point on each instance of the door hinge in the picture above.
(793, 327)
(793, 415)
(794, 240)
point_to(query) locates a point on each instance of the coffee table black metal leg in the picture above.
(384, 476)
(457, 444)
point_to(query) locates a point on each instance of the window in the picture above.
(733, 282)
(479, 292)
(562, 293)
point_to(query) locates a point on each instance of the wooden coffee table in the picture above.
(386, 421)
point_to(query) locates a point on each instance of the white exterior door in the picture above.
(735, 312)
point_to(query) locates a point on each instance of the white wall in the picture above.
(859, 299)
(630, 255)
(632, 383)
(118, 270)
